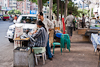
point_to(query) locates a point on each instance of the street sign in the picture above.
(4, 8)
(8, 8)
(47, 2)
(33, 12)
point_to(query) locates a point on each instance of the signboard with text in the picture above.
(33, 12)
(3, 8)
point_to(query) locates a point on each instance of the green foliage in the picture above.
(55, 8)
(92, 15)
(19, 0)
(81, 12)
(14, 12)
(34, 1)
(73, 9)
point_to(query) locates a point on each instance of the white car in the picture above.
(27, 21)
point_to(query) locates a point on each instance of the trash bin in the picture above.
(23, 57)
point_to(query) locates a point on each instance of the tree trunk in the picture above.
(61, 9)
(65, 11)
(50, 9)
(57, 10)
(40, 6)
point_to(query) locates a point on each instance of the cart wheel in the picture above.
(11, 40)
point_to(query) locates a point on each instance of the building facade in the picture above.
(24, 6)
(12, 4)
(33, 6)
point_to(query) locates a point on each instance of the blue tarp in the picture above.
(58, 35)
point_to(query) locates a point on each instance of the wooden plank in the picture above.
(51, 37)
(17, 39)
(82, 31)
(80, 38)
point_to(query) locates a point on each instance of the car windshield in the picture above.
(27, 19)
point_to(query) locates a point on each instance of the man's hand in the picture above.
(51, 29)
(34, 31)
(30, 33)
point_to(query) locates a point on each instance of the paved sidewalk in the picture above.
(81, 55)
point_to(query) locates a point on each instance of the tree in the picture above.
(50, 9)
(66, 8)
(72, 8)
(58, 10)
(81, 12)
(14, 12)
(92, 15)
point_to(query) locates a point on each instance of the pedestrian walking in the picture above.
(49, 27)
(15, 18)
(83, 21)
(69, 24)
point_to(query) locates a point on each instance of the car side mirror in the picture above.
(14, 21)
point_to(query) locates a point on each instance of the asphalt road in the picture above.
(6, 48)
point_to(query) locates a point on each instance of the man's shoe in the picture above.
(50, 58)
(52, 55)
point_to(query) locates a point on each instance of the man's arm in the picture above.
(50, 25)
(66, 20)
(38, 33)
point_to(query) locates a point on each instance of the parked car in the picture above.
(27, 21)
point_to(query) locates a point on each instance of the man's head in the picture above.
(15, 15)
(70, 12)
(83, 15)
(40, 15)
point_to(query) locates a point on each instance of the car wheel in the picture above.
(11, 40)
(4, 19)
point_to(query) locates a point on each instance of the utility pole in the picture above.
(57, 10)
(50, 9)
(65, 11)
(40, 6)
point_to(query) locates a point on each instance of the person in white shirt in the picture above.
(69, 24)
(49, 27)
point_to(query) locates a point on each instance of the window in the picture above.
(14, 3)
(27, 0)
(5, 5)
(27, 19)
(17, 6)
